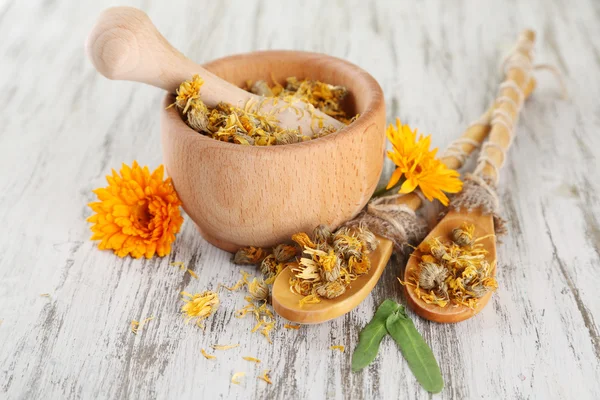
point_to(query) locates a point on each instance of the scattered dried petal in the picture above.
(338, 347)
(207, 356)
(265, 376)
(199, 306)
(252, 359)
(192, 273)
(224, 346)
(289, 326)
(235, 378)
(136, 325)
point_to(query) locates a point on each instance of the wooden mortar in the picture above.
(248, 195)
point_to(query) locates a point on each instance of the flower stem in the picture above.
(384, 190)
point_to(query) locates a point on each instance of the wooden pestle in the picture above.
(125, 45)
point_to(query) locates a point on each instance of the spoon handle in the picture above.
(125, 45)
(512, 94)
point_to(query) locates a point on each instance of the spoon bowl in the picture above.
(286, 303)
(484, 226)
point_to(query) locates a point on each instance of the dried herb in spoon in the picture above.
(391, 318)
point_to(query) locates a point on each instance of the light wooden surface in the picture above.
(64, 127)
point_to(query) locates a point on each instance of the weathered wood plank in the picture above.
(64, 127)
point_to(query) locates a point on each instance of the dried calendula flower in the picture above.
(338, 347)
(250, 256)
(269, 265)
(331, 290)
(188, 92)
(252, 359)
(207, 356)
(435, 247)
(432, 275)
(322, 235)
(235, 379)
(258, 289)
(463, 236)
(284, 252)
(367, 238)
(197, 115)
(345, 243)
(303, 240)
(199, 306)
(265, 377)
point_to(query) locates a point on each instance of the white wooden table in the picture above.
(63, 127)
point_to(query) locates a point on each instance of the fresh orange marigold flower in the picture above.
(137, 213)
(419, 166)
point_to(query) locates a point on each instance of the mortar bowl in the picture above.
(250, 195)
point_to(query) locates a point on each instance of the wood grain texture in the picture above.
(64, 127)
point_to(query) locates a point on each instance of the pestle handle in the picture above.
(125, 45)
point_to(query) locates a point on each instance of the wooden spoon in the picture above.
(286, 303)
(125, 45)
(488, 166)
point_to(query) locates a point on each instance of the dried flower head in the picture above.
(258, 289)
(188, 92)
(368, 239)
(331, 290)
(346, 244)
(137, 213)
(463, 236)
(435, 247)
(269, 265)
(197, 115)
(249, 256)
(359, 266)
(199, 306)
(431, 275)
(322, 235)
(284, 252)
(418, 165)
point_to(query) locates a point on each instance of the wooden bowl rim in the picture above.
(375, 102)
